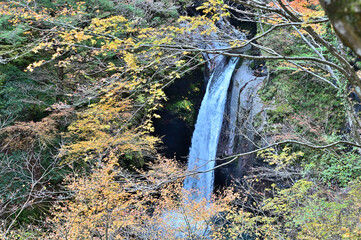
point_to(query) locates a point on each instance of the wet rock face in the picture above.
(192, 9)
(176, 135)
(243, 121)
(176, 124)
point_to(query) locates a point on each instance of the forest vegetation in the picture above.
(82, 83)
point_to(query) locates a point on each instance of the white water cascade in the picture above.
(207, 130)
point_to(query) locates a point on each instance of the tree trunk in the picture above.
(345, 16)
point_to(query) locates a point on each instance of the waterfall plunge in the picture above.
(207, 130)
(180, 222)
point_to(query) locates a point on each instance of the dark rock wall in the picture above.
(176, 124)
(242, 124)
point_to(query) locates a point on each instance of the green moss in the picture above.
(185, 109)
(299, 94)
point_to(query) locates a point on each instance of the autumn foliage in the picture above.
(80, 158)
(114, 204)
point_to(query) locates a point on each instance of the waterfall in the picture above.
(207, 130)
(184, 222)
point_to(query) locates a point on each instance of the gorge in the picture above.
(182, 119)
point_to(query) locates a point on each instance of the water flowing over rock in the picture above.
(207, 130)
(225, 120)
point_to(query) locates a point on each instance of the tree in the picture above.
(30, 170)
(107, 69)
(318, 52)
(113, 63)
(345, 19)
(111, 203)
